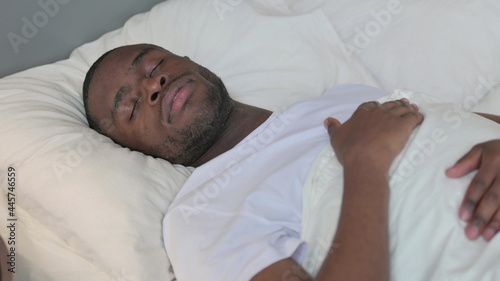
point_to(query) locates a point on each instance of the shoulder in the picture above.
(339, 102)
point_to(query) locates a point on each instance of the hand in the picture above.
(375, 134)
(481, 204)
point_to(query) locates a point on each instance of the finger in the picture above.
(417, 117)
(400, 107)
(489, 205)
(468, 163)
(472, 231)
(331, 124)
(482, 182)
(403, 109)
(395, 103)
(369, 105)
(493, 227)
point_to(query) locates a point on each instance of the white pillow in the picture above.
(448, 49)
(490, 103)
(105, 203)
(38, 250)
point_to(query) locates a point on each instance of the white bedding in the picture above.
(438, 47)
(427, 239)
(94, 208)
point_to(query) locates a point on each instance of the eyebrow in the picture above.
(118, 99)
(140, 56)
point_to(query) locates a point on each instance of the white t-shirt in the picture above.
(242, 211)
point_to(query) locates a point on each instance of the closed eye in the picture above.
(154, 69)
(133, 109)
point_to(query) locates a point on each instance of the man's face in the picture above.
(153, 101)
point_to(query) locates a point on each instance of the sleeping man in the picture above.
(239, 215)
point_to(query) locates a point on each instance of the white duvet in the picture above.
(427, 240)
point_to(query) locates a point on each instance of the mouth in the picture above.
(175, 99)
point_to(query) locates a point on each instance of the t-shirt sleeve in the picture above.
(248, 244)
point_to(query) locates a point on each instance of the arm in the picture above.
(361, 249)
(366, 145)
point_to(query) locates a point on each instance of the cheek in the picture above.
(137, 137)
(148, 134)
(147, 125)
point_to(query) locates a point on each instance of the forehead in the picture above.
(118, 63)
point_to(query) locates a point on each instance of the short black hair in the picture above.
(85, 92)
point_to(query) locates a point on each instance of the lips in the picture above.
(175, 98)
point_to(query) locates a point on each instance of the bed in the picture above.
(88, 209)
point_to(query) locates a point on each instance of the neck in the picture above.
(242, 120)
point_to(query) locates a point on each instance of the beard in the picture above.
(192, 142)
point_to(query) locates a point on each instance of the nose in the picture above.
(152, 88)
